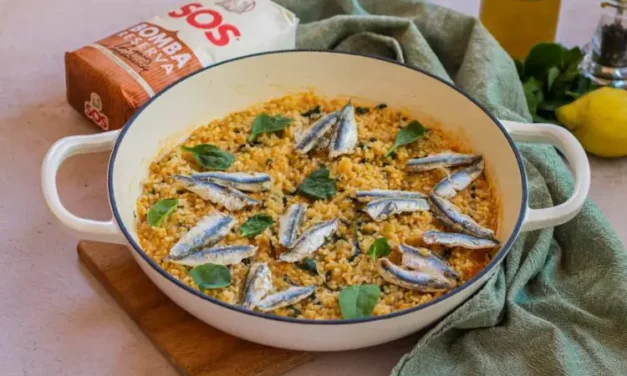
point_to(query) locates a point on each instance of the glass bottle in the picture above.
(518, 25)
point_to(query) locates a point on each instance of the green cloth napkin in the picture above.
(558, 303)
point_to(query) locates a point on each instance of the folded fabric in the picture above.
(558, 303)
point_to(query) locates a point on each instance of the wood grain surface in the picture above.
(193, 347)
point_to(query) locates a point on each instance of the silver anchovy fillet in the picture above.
(458, 180)
(453, 218)
(310, 241)
(412, 280)
(230, 198)
(244, 181)
(258, 284)
(222, 255)
(425, 261)
(451, 239)
(386, 193)
(345, 132)
(442, 160)
(311, 136)
(285, 298)
(290, 223)
(208, 231)
(383, 208)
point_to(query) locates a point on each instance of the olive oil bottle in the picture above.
(520, 24)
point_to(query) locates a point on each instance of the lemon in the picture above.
(599, 121)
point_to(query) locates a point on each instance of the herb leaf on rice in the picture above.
(308, 265)
(265, 123)
(211, 276)
(318, 185)
(358, 301)
(160, 210)
(257, 224)
(412, 132)
(379, 248)
(210, 156)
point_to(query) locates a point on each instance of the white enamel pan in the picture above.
(234, 85)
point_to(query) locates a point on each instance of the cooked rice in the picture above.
(366, 168)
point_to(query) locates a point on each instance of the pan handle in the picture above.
(83, 228)
(576, 157)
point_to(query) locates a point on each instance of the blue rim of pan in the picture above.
(495, 261)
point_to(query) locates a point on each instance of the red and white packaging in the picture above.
(109, 79)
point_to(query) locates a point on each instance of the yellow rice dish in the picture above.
(419, 264)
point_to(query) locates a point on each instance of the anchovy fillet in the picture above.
(310, 241)
(412, 280)
(258, 284)
(344, 136)
(386, 193)
(285, 298)
(383, 208)
(442, 160)
(290, 223)
(208, 231)
(458, 180)
(453, 218)
(223, 255)
(426, 261)
(450, 239)
(230, 198)
(310, 136)
(244, 181)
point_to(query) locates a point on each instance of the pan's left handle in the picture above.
(82, 228)
(576, 157)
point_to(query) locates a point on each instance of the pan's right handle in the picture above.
(576, 157)
(82, 228)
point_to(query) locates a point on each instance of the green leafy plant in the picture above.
(211, 276)
(551, 78)
(210, 156)
(379, 248)
(265, 123)
(160, 210)
(412, 132)
(308, 265)
(318, 185)
(358, 301)
(256, 225)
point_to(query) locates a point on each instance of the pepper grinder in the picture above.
(605, 62)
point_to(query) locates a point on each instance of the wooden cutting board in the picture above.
(193, 347)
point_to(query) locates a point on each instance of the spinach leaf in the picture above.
(160, 210)
(210, 156)
(308, 265)
(211, 276)
(318, 185)
(358, 301)
(412, 132)
(265, 123)
(256, 225)
(379, 248)
(313, 111)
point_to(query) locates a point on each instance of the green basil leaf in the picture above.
(542, 57)
(572, 57)
(313, 111)
(265, 123)
(211, 276)
(379, 248)
(308, 265)
(211, 157)
(520, 67)
(160, 210)
(358, 301)
(412, 132)
(256, 225)
(552, 74)
(531, 87)
(318, 185)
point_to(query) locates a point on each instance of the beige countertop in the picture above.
(54, 318)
